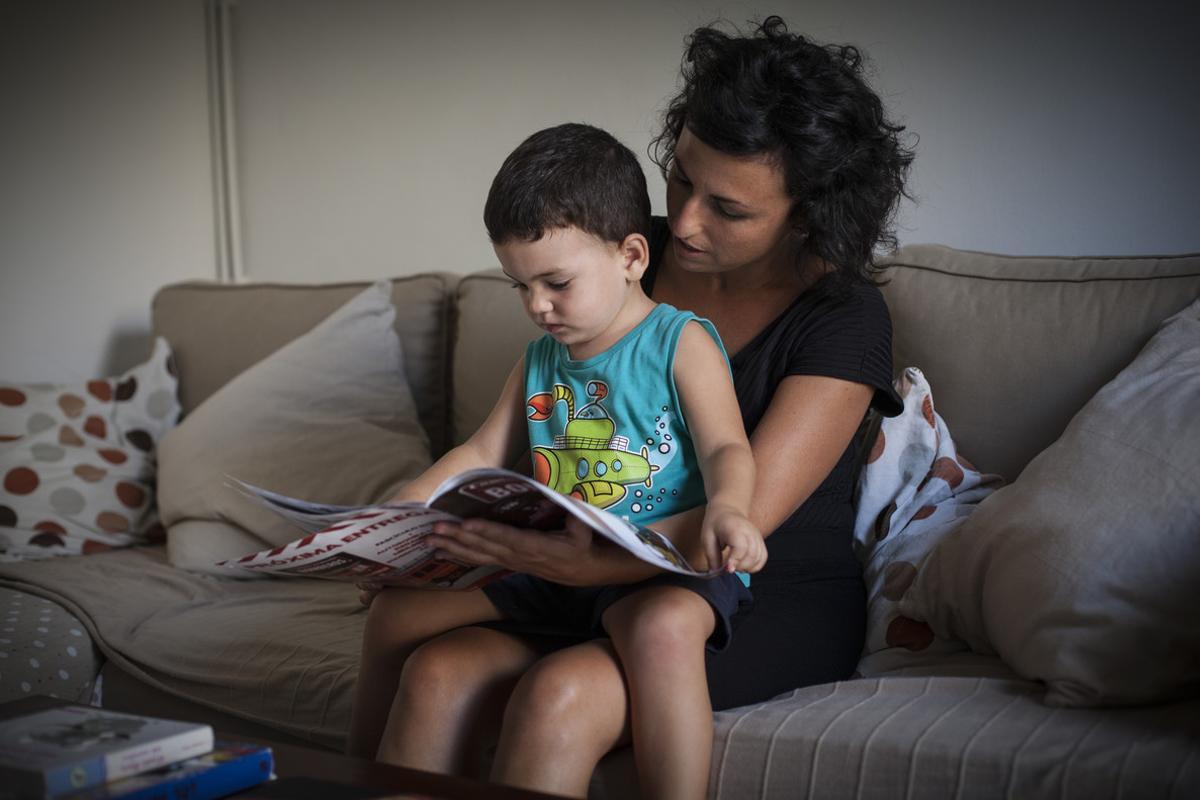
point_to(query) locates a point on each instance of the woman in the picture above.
(782, 177)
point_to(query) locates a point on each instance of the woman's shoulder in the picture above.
(831, 300)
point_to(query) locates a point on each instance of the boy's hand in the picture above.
(729, 530)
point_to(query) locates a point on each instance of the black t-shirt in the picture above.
(846, 336)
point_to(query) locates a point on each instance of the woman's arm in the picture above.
(804, 431)
(806, 428)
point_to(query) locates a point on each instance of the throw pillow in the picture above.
(914, 489)
(1085, 572)
(77, 463)
(328, 417)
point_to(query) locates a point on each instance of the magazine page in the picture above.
(308, 517)
(384, 544)
(518, 500)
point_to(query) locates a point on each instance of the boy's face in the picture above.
(574, 285)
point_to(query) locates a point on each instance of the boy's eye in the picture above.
(516, 285)
(558, 285)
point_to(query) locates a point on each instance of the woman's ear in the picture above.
(798, 224)
(635, 254)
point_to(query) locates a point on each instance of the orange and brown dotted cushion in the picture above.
(77, 462)
(915, 488)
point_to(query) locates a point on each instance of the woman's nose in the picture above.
(688, 219)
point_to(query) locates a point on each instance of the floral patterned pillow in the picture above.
(77, 462)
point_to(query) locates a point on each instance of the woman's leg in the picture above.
(451, 698)
(398, 621)
(567, 711)
(659, 635)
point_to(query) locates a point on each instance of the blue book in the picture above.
(62, 750)
(229, 768)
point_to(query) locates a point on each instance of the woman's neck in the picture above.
(777, 273)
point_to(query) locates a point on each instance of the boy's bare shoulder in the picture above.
(695, 338)
(698, 352)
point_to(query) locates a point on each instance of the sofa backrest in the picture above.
(1013, 346)
(218, 330)
(491, 331)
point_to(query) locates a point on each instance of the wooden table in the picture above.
(309, 773)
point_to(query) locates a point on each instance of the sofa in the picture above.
(1014, 349)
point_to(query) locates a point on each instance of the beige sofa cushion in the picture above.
(328, 417)
(1016, 345)
(491, 333)
(218, 330)
(1085, 573)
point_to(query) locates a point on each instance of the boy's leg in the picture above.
(398, 621)
(659, 634)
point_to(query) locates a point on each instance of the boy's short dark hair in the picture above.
(568, 176)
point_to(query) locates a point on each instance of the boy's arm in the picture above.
(714, 420)
(498, 442)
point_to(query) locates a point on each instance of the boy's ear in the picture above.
(635, 251)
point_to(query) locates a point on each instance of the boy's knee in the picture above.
(663, 619)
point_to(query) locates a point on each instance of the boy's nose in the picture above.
(539, 303)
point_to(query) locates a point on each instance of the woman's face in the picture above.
(727, 212)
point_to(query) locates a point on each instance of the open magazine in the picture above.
(386, 543)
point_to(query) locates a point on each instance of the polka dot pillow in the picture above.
(77, 461)
(913, 491)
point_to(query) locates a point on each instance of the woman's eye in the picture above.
(727, 214)
(680, 179)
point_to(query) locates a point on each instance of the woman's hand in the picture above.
(573, 557)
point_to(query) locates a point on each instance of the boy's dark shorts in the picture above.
(540, 607)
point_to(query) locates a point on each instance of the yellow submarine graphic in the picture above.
(587, 461)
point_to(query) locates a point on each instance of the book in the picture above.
(62, 750)
(385, 544)
(230, 767)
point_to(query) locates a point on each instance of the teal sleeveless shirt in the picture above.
(610, 429)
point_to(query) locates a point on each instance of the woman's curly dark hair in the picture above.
(809, 106)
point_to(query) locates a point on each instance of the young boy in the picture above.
(624, 403)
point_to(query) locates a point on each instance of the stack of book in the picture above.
(81, 752)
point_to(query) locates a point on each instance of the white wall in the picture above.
(105, 185)
(368, 131)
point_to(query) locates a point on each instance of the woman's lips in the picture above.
(685, 250)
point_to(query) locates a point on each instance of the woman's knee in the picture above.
(566, 701)
(456, 668)
(433, 676)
